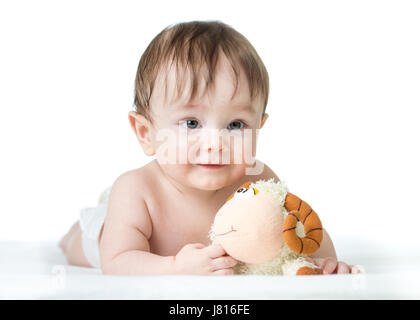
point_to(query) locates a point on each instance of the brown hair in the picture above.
(193, 45)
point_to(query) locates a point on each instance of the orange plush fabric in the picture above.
(308, 271)
(300, 211)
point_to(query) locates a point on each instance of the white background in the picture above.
(344, 104)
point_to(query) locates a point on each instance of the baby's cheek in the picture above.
(243, 150)
(165, 146)
(182, 149)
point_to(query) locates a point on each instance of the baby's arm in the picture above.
(326, 249)
(125, 246)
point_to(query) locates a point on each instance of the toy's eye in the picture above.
(244, 193)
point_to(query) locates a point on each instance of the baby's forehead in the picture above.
(176, 86)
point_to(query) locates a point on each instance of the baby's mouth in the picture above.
(210, 166)
(225, 233)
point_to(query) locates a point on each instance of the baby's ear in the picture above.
(264, 118)
(143, 131)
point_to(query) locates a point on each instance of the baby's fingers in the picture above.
(329, 266)
(357, 269)
(319, 262)
(223, 272)
(223, 263)
(214, 251)
(343, 268)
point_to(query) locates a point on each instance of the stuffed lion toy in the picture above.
(268, 230)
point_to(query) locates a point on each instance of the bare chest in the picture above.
(177, 223)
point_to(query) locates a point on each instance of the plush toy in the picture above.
(268, 230)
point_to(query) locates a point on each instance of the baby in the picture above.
(199, 85)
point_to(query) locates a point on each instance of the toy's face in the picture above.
(249, 225)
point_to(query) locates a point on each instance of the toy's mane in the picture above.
(277, 189)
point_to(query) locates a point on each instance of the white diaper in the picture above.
(91, 222)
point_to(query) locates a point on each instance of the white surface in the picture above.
(39, 271)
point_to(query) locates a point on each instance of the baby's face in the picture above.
(206, 143)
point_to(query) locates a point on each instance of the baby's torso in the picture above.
(177, 223)
(177, 219)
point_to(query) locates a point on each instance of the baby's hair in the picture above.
(193, 45)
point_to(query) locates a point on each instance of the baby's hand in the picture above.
(332, 266)
(198, 259)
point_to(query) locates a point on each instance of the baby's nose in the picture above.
(213, 140)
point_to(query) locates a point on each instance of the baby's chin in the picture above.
(209, 185)
(204, 177)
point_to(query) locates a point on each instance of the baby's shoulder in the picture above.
(134, 184)
(127, 202)
(261, 171)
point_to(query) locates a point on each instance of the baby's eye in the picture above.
(190, 124)
(235, 125)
